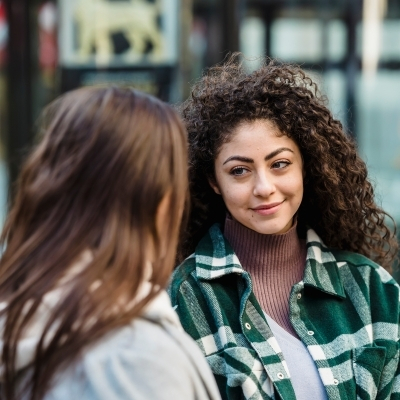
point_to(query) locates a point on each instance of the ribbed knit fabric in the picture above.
(274, 262)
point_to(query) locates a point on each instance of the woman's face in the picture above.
(260, 177)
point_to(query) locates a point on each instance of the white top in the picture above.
(303, 371)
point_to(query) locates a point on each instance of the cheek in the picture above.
(294, 187)
(299, 197)
(299, 191)
(234, 196)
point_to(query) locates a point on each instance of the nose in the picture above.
(264, 186)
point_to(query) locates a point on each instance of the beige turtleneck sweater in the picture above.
(274, 262)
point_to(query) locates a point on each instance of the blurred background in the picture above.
(351, 48)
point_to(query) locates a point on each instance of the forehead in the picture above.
(260, 134)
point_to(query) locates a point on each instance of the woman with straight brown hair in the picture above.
(89, 246)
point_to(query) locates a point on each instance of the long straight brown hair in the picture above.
(107, 158)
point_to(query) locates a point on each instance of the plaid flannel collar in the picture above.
(216, 258)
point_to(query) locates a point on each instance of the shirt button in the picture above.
(247, 325)
(280, 375)
(298, 296)
(335, 382)
(311, 333)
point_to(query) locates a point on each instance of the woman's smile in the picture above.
(268, 209)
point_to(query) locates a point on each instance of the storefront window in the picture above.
(378, 98)
(132, 43)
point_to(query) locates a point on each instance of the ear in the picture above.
(162, 212)
(214, 185)
(161, 226)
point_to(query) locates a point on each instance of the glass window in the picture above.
(297, 39)
(390, 43)
(252, 39)
(337, 36)
(332, 84)
(118, 33)
(378, 121)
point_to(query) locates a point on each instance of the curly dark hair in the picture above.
(338, 198)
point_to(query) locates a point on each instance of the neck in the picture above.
(274, 262)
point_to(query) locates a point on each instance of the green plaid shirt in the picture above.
(345, 310)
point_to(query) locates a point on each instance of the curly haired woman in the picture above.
(285, 294)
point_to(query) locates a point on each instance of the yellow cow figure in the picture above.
(99, 19)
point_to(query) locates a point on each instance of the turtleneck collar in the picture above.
(271, 251)
(274, 262)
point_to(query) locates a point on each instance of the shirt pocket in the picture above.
(235, 360)
(374, 366)
(242, 368)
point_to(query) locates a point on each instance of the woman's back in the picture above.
(149, 358)
(89, 246)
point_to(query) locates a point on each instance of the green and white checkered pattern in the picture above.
(345, 310)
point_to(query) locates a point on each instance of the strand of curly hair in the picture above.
(338, 198)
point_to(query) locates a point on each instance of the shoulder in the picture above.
(360, 268)
(154, 336)
(134, 362)
(183, 271)
(359, 262)
(184, 274)
(211, 247)
(355, 259)
(143, 343)
(213, 259)
(366, 282)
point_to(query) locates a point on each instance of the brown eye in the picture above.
(280, 164)
(238, 171)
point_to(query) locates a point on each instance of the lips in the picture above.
(268, 209)
(267, 206)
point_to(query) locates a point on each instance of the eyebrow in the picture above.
(250, 160)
